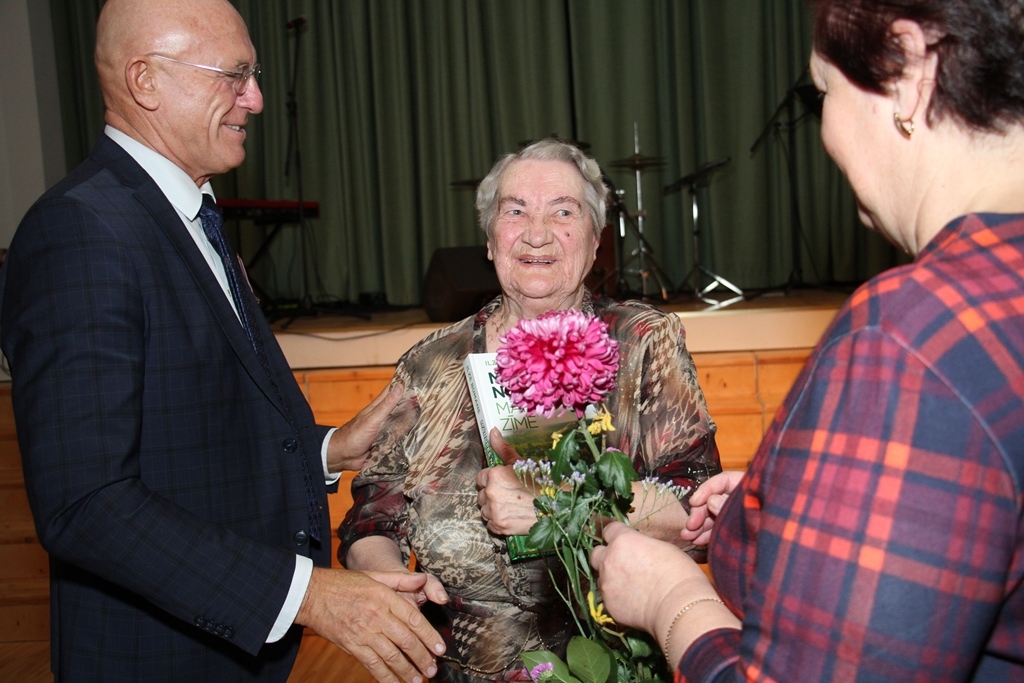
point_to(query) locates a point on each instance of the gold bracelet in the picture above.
(678, 616)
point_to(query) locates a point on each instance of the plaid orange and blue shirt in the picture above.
(878, 533)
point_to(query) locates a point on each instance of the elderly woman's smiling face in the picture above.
(542, 242)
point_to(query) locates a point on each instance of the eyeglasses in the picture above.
(239, 79)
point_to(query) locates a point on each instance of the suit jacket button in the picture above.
(200, 622)
(229, 632)
(290, 445)
(301, 537)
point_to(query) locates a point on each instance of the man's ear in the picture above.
(141, 81)
(913, 89)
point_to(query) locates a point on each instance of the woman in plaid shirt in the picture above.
(878, 533)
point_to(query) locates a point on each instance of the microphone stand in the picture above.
(306, 300)
(788, 105)
(699, 272)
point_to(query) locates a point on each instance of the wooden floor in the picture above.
(25, 662)
(319, 661)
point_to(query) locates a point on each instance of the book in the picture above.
(529, 434)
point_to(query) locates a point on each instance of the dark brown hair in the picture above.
(979, 43)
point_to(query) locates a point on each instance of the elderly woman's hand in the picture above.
(505, 504)
(705, 504)
(380, 554)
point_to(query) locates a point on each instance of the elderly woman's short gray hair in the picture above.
(595, 191)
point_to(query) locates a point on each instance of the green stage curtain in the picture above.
(400, 104)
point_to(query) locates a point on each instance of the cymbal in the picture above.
(638, 162)
(697, 176)
(465, 184)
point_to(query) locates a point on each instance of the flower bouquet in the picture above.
(565, 360)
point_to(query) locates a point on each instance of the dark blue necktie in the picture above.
(245, 302)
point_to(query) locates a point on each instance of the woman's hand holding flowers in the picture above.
(674, 587)
(630, 559)
(506, 505)
(566, 360)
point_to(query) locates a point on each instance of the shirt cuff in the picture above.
(329, 477)
(293, 601)
(711, 654)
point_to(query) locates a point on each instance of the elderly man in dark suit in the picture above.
(176, 474)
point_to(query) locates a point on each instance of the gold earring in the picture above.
(906, 128)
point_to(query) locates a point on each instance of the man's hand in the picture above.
(505, 504)
(350, 445)
(361, 613)
(705, 504)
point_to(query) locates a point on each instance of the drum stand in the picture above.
(646, 266)
(699, 273)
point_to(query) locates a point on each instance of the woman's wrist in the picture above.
(667, 644)
(690, 609)
(375, 554)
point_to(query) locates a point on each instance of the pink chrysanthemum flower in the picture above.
(561, 360)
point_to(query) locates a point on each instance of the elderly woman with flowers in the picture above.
(425, 491)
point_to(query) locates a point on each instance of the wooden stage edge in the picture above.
(778, 320)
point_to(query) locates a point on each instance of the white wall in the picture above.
(31, 134)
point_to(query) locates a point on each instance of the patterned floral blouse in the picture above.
(418, 488)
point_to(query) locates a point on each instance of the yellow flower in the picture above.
(598, 612)
(602, 422)
(548, 491)
(555, 438)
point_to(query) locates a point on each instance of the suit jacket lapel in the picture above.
(148, 193)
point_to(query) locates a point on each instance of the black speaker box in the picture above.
(459, 281)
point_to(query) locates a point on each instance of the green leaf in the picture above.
(563, 456)
(584, 563)
(565, 554)
(591, 662)
(579, 517)
(646, 658)
(533, 658)
(564, 500)
(543, 534)
(640, 646)
(588, 440)
(616, 471)
(591, 486)
(560, 672)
